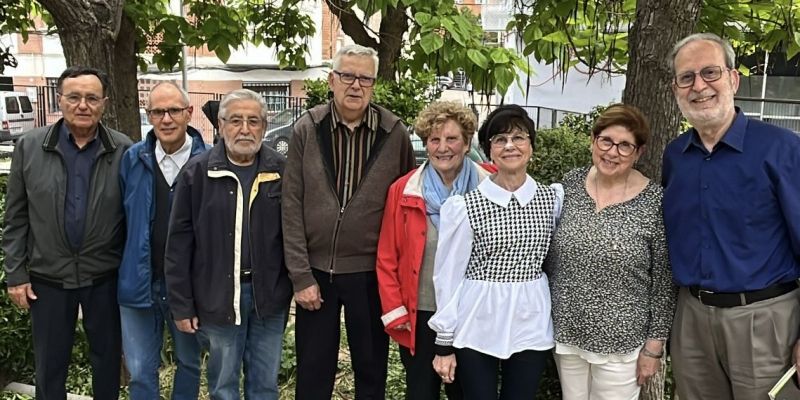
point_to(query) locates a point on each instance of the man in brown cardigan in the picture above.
(342, 157)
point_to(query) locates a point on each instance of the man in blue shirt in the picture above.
(732, 217)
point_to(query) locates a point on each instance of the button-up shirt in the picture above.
(732, 215)
(79, 163)
(171, 164)
(351, 151)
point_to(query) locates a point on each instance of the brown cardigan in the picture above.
(318, 233)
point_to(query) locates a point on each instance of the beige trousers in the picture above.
(734, 353)
(581, 380)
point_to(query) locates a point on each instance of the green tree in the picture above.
(112, 35)
(635, 37)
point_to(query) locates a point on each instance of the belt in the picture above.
(246, 275)
(711, 298)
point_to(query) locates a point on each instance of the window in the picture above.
(25, 104)
(52, 95)
(275, 94)
(12, 107)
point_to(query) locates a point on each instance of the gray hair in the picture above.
(357, 51)
(184, 94)
(239, 95)
(723, 44)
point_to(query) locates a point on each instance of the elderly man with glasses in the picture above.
(732, 218)
(226, 278)
(343, 156)
(64, 233)
(148, 173)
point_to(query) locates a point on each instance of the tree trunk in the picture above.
(98, 34)
(394, 24)
(658, 26)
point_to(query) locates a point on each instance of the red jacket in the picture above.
(400, 248)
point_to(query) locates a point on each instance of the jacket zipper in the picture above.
(340, 217)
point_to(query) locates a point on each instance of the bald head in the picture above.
(169, 112)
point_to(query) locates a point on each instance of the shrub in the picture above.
(557, 151)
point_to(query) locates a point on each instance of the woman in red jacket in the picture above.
(408, 239)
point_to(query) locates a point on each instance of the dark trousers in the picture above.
(520, 374)
(53, 316)
(422, 382)
(317, 337)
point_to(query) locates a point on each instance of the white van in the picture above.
(16, 115)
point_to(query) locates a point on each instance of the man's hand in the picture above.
(20, 294)
(445, 367)
(189, 325)
(309, 298)
(406, 326)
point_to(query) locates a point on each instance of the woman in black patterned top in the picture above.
(611, 284)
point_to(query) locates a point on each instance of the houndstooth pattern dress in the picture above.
(491, 293)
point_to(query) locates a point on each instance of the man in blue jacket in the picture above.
(147, 177)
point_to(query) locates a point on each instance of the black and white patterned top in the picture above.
(510, 242)
(610, 277)
(491, 294)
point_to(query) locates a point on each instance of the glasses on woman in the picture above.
(348, 79)
(707, 74)
(624, 148)
(502, 139)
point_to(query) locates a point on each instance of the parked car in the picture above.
(444, 82)
(420, 154)
(279, 129)
(16, 115)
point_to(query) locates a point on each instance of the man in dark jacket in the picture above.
(342, 158)
(226, 278)
(147, 177)
(63, 234)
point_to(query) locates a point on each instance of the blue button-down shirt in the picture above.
(732, 216)
(79, 163)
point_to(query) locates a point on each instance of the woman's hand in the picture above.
(647, 366)
(445, 367)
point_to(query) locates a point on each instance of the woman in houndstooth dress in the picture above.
(492, 298)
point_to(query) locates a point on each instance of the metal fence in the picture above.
(544, 117)
(46, 109)
(780, 112)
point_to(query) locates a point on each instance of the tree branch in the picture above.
(351, 25)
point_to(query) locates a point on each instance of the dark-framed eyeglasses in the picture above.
(174, 112)
(502, 139)
(623, 148)
(347, 78)
(75, 99)
(707, 74)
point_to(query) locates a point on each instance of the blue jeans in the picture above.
(257, 342)
(142, 339)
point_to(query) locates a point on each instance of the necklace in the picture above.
(614, 245)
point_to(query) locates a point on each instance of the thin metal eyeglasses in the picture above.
(348, 79)
(623, 148)
(237, 122)
(75, 99)
(174, 112)
(501, 140)
(708, 74)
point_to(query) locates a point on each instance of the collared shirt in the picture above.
(79, 163)
(351, 150)
(171, 164)
(732, 216)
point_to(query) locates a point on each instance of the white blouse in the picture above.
(494, 318)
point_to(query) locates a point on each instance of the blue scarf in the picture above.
(436, 193)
